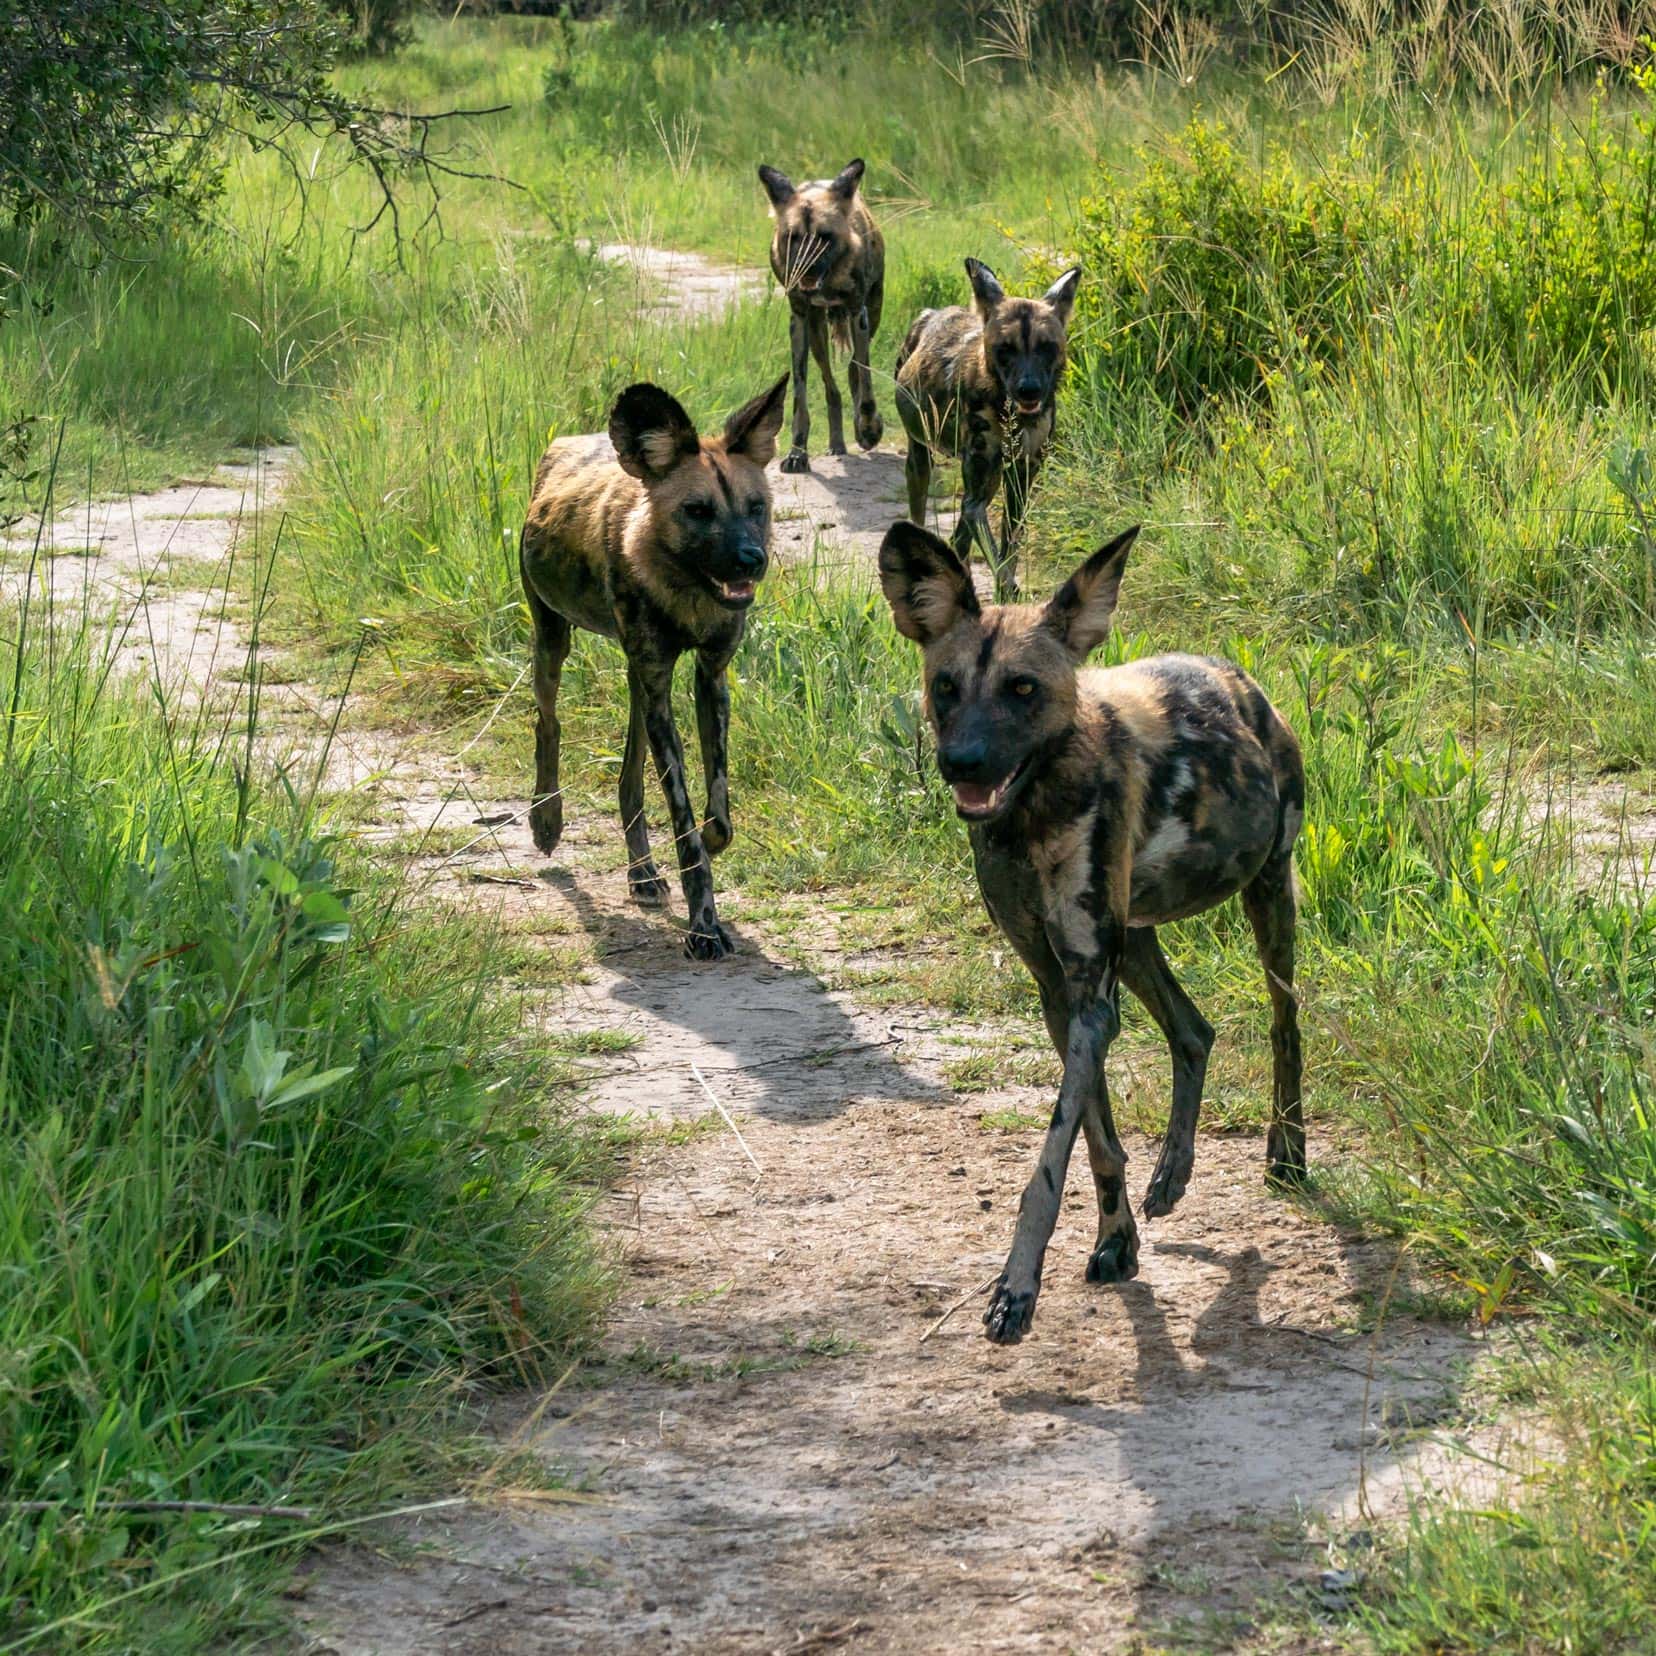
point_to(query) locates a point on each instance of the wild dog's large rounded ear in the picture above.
(751, 430)
(986, 288)
(651, 432)
(1079, 612)
(1061, 295)
(850, 176)
(927, 586)
(778, 186)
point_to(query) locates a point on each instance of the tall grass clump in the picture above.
(280, 1185)
(1396, 383)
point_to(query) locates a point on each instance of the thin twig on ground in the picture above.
(730, 1121)
(971, 1293)
(820, 1641)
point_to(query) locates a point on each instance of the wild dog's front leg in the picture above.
(707, 939)
(644, 880)
(713, 726)
(830, 386)
(1189, 1035)
(1021, 472)
(1115, 1250)
(1094, 1021)
(917, 471)
(550, 649)
(980, 478)
(799, 347)
(870, 428)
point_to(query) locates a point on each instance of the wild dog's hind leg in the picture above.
(1145, 971)
(1269, 901)
(644, 881)
(830, 386)
(549, 649)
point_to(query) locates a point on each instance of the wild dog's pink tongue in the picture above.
(972, 796)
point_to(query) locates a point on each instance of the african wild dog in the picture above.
(657, 538)
(983, 384)
(1103, 802)
(830, 260)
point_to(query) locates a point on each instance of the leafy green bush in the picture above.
(1212, 270)
(1555, 269)
(1208, 269)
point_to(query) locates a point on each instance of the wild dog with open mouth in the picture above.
(1102, 803)
(983, 384)
(830, 259)
(656, 538)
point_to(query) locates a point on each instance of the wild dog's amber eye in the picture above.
(702, 511)
(1024, 687)
(943, 685)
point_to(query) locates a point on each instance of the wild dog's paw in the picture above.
(1169, 1181)
(1285, 1157)
(716, 834)
(1115, 1259)
(546, 824)
(646, 887)
(1286, 1173)
(870, 429)
(836, 445)
(1009, 1315)
(796, 460)
(708, 943)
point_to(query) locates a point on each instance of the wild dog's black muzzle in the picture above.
(981, 774)
(741, 566)
(965, 759)
(1030, 392)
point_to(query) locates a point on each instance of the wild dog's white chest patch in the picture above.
(1031, 435)
(1063, 865)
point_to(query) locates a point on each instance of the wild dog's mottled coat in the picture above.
(829, 256)
(656, 538)
(1103, 802)
(983, 384)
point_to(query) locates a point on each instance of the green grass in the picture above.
(285, 1182)
(1388, 457)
